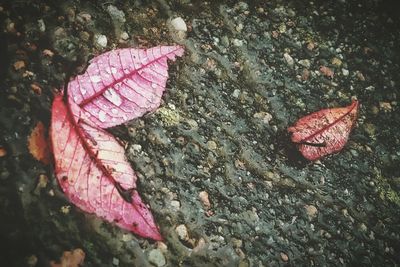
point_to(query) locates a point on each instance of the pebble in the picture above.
(282, 28)
(84, 17)
(101, 40)
(116, 14)
(345, 72)
(124, 36)
(310, 46)
(284, 257)
(175, 204)
(289, 59)
(236, 93)
(32, 261)
(127, 237)
(211, 145)
(48, 53)
(336, 61)
(305, 63)
(311, 210)
(179, 24)
(305, 75)
(115, 261)
(42, 26)
(182, 232)
(385, 106)
(266, 117)
(326, 71)
(156, 257)
(237, 42)
(43, 180)
(360, 76)
(84, 35)
(203, 195)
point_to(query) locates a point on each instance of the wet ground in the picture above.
(249, 72)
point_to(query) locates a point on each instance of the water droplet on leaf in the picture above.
(113, 97)
(95, 79)
(102, 116)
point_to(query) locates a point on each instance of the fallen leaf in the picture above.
(38, 144)
(326, 71)
(122, 84)
(19, 65)
(91, 169)
(3, 152)
(90, 164)
(72, 258)
(324, 132)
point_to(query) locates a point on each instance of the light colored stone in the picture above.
(211, 145)
(311, 210)
(237, 42)
(203, 195)
(124, 36)
(179, 24)
(175, 204)
(101, 40)
(289, 59)
(236, 93)
(345, 72)
(305, 63)
(157, 258)
(284, 257)
(182, 232)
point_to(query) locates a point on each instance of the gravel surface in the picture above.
(215, 162)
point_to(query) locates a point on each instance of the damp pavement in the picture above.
(215, 162)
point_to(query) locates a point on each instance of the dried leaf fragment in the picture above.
(38, 144)
(324, 132)
(19, 65)
(93, 172)
(72, 258)
(36, 88)
(3, 152)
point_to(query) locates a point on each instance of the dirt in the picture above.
(215, 162)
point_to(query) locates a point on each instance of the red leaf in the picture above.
(122, 84)
(324, 132)
(92, 170)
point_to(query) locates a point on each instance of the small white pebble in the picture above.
(179, 24)
(101, 40)
(124, 36)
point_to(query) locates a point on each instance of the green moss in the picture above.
(386, 192)
(169, 115)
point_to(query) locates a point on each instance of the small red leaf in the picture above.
(92, 170)
(122, 84)
(324, 132)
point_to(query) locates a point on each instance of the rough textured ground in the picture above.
(250, 71)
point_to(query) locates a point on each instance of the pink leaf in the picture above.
(324, 132)
(122, 84)
(92, 170)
